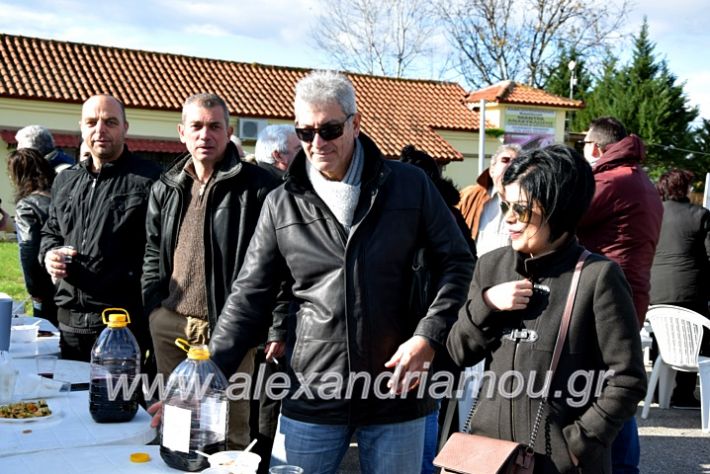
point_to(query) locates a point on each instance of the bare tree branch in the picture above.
(376, 37)
(519, 39)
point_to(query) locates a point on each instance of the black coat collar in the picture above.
(551, 264)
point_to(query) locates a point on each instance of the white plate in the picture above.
(15, 421)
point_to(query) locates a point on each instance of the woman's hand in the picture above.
(509, 296)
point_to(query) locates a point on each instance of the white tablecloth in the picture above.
(72, 371)
(42, 346)
(71, 426)
(106, 459)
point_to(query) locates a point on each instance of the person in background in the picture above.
(201, 217)
(32, 177)
(480, 202)
(442, 360)
(623, 223)
(275, 149)
(343, 229)
(680, 274)
(40, 138)
(238, 143)
(98, 208)
(512, 319)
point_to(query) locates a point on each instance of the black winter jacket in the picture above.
(584, 417)
(103, 217)
(233, 208)
(680, 274)
(349, 296)
(30, 215)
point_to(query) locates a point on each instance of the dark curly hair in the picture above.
(674, 185)
(29, 171)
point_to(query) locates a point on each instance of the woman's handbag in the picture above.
(466, 453)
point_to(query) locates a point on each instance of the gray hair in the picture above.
(323, 87)
(36, 137)
(514, 147)
(206, 101)
(273, 138)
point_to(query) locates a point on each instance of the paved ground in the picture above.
(671, 443)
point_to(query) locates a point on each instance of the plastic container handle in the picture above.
(104, 314)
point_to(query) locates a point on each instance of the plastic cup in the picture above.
(285, 469)
(67, 258)
(46, 365)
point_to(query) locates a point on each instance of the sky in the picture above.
(279, 31)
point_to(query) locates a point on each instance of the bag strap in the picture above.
(561, 338)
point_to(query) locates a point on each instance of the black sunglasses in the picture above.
(327, 132)
(522, 212)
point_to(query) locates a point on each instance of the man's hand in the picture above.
(274, 350)
(412, 359)
(156, 409)
(55, 262)
(509, 296)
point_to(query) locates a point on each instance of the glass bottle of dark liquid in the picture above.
(115, 364)
(194, 411)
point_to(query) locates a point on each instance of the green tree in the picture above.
(558, 82)
(701, 157)
(648, 99)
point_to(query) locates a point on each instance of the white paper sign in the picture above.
(176, 428)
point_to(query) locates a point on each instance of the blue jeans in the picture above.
(319, 448)
(431, 437)
(626, 450)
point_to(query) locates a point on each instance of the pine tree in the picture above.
(558, 82)
(645, 96)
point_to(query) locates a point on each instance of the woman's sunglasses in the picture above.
(522, 212)
(327, 132)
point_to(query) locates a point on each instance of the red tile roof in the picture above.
(395, 111)
(73, 140)
(510, 92)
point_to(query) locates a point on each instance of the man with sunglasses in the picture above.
(623, 223)
(344, 228)
(480, 202)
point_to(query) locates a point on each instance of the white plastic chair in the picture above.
(679, 332)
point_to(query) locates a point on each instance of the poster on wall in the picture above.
(529, 128)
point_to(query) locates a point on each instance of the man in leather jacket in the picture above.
(344, 229)
(201, 217)
(98, 208)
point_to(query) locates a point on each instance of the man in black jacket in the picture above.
(201, 217)
(93, 240)
(344, 228)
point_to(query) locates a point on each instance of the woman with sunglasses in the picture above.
(513, 315)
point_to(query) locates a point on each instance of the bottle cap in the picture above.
(196, 352)
(140, 457)
(115, 317)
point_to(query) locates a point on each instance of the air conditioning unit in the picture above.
(249, 128)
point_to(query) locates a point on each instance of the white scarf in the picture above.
(341, 197)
